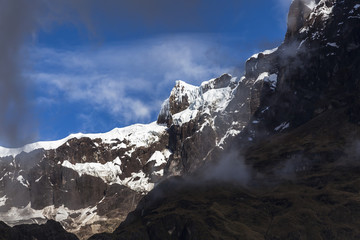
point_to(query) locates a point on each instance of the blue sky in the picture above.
(90, 66)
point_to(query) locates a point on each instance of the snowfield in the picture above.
(139, 135)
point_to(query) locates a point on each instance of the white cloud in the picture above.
(99, 91)
(127, 80)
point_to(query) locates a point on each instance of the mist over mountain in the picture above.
(273, 154)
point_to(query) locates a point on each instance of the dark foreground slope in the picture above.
(301, 146)
(310, 196)
(294, 210)
(51, 230)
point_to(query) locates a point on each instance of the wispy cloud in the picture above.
(22, 19)
(126, 80)
(283, 9)
(285, 3)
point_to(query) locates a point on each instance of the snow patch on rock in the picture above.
(138, 182)
(184, 116)
(230, 132)
(23, 181)
(3, 200)
(271, 79)
(322, 10)
(159, 158)
(108, 172)
(282, 126)
(332, 44)
(266, 52)
(61, 214)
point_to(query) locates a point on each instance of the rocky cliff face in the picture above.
(317, 81)
(201, 120)
(90, 182)
(301, 145)
(315, 67)
(82, 180)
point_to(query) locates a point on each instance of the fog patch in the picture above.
(294, 165)
(352, 154)
(230, 168)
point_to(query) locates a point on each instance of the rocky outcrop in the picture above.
(315, 69)
(215, 112)
(298, 13)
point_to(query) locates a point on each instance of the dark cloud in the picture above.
(17, 22)
(161, 15)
